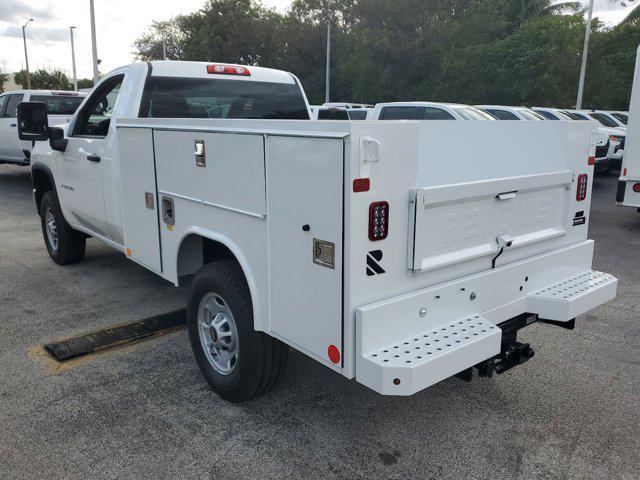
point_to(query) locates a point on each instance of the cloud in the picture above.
(19, 11)
(36, 34)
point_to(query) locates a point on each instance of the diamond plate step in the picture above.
(573, 296)
(423, 359)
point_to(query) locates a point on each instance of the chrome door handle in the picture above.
(93, 158)
(13, 125)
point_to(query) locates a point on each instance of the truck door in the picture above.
(304, 202)
(89, 154)
(10, 147)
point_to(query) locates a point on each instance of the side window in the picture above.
(548, 115)
(95, 117)
(431, 113)
(501, 114)
(401, 113)
(12, 105)
(3, 102)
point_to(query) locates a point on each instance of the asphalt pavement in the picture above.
(144, 411)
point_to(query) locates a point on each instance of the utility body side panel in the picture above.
(304, 193)
(139, 197)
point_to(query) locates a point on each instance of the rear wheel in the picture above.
(238, 362)
(64, 244)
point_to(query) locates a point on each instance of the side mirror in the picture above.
(56, 139)
(33, 123)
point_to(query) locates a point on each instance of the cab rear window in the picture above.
(175, 97)
(59, 105)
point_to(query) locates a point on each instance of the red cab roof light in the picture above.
(228, 70)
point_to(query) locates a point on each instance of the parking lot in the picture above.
(144, 411)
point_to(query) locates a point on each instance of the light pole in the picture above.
(585, 53)
(328, 68)
(26, 57)
(73, 61)
(94, 47)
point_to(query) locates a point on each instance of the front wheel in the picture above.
(238, 362)
(64, 244)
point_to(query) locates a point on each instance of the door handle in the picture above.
(13, 125)
(93, 158)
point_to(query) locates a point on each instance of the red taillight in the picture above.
(378, 221)
(228, 70)
(636, 187)
(361, 185)
(591, 161)
(581, 193)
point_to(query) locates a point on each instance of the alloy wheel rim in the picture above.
(218, 333)
(51, 229)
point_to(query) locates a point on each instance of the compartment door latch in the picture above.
(200, 154)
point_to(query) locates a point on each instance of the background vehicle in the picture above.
(602, 139)
(502, 112)
(606, 119)
(358, 113)
(330, 113)
(616, 136)
(347, 105)
(352, 242)
(622, 117)
(61, 105)
(425, 111)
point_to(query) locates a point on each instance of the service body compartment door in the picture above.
(453, 224)
(304, 198)
(139, 197)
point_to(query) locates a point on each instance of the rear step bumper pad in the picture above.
(405, 364)
(423, 359)
(573, 296)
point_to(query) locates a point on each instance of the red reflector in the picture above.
(581, 192)
(228, 70)
(636, 187)
(378, 221)
(591, 161)
(361, 185)
(624, 172)
(334, 354)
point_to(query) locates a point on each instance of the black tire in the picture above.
(71, 243)
(261, 359)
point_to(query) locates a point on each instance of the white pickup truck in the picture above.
(61, 106)
(351, 241)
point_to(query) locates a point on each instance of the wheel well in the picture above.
(196, 251)
(42, 182)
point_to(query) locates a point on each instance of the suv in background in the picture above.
(502, 112)
(61, 105)
(616, 137)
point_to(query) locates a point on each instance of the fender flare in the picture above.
(41, 167)
(260, 324)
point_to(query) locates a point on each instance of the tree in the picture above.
(85, 83)
(43, 80)
(149, 45)
(3, 78)
(470, 51)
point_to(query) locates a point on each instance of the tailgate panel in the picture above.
(452, 224)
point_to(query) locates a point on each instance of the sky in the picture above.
(118, 24)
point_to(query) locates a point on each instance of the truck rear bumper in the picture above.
(408, 343)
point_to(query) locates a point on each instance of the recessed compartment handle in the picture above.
(168, 211)
(506, 195)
